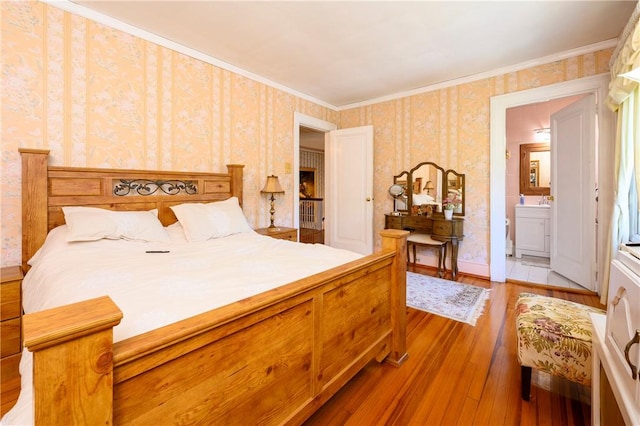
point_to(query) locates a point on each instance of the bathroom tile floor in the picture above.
(531, 270)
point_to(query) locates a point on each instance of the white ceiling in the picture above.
(346, 52)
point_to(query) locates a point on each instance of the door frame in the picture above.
(301, 120)
(597, 85)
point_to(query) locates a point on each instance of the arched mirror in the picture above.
(535, 169)
(427, 190)
(454, 191)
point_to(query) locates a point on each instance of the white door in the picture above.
(573, 180)
(349, 189)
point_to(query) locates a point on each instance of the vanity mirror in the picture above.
(454, 192)
(430, 186)
(427, 188)
(399, 192)
(535, 169)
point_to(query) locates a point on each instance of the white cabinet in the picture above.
(615, 391)
(533, 230)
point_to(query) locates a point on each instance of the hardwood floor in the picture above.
(457, 374)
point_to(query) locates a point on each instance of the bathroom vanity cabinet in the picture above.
(533, 230)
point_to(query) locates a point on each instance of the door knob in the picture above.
(368, 199)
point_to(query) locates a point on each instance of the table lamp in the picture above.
(272, 187)
(429, 187)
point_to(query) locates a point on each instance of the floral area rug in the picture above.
(449, 299)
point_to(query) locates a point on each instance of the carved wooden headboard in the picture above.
(46, 189)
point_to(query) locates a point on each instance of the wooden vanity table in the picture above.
(437, 226)
(426, 188)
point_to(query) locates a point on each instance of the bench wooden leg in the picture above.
(525, 377)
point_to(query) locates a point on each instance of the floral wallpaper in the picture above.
(450, 127)
(98, 97)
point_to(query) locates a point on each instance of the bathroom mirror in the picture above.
(535, 169)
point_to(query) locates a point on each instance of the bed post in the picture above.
(396, 240)
(73, 362)
(235, 170)
(34, 201)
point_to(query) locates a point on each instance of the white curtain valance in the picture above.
(625, 58)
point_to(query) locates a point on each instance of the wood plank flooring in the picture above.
(457, 374)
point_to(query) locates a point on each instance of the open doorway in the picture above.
(348, 188)
(597, 85)
(527, 248)
(309, 142)
(311, 177)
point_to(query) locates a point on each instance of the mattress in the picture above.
(155, 284)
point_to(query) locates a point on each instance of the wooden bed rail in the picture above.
(73, 362)
(275, 357)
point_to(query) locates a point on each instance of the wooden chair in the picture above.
(425, 240)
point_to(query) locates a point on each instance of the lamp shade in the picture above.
(428, 185)
(272, 186)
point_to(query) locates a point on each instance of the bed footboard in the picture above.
(270, 359)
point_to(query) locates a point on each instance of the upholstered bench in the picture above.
(416, 239)
(554, 336)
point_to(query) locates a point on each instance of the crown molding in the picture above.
(493, 73)
(69, 6)
(76, 9)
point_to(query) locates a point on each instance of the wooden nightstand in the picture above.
(11, 334)
(280, 233)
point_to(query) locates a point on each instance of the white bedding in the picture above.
(156, 289)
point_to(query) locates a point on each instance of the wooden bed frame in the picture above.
(273, 358)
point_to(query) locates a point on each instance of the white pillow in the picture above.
(91, 223)
(419, 199)
(213, 220)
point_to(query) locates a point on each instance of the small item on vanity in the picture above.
(448, 214)
(157, 251)
(521, 199)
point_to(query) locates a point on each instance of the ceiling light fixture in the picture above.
(543, 134)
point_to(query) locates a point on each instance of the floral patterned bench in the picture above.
(554, 336)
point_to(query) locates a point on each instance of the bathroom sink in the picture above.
(541, 206)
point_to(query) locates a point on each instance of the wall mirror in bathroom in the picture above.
(535, 169)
